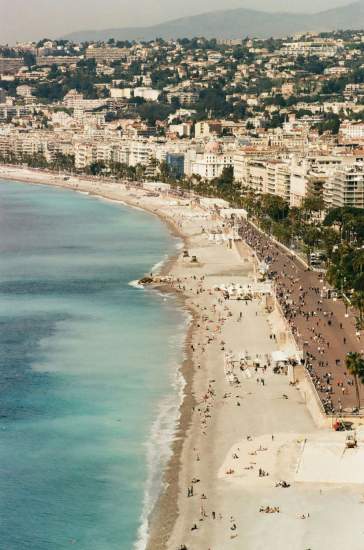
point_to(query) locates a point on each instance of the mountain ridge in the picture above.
(236, 23)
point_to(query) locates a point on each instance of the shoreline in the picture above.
(232, 421)
(158, 530)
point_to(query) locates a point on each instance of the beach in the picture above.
(243, 429)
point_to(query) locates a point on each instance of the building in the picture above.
(11, 64)
(147, 93)
(345, 187)
(75, 100)
(184, 97)
(211, 163)
(317, 47)
(182, 130)
(49, 60)
(105, 54)
(176, 163)
(278, 179)
(351, 132)
(208, 128)
(121, 93)
(24, 91)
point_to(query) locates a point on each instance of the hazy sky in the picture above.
(34, 19)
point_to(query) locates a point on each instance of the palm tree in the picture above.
(330, 239)
(358, 262)
(358, 302)
(355, 365)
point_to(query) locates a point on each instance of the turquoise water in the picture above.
(87, 370)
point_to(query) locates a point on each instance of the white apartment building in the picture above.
(244, 159)
(83, 155)
(256, 175)
(140, 152)
(310, 174)
(106, 54)
(60, 118)
(87, 152)
(149, 94)
(210, 163)
(206, 129)
(346, 186)
(121, 93)
(321, 48)
(185, 97)
(24, 91)
(278, 179)
(352, 132)
(49, 60)
(263, 175)
(182, 130)
(75, 100)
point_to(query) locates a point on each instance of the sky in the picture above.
(22, 20)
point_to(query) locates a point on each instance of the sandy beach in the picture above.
(250, 468)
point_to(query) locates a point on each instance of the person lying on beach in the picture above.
(269, 509)
(283, 484)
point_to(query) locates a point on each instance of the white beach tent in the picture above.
(279, 356)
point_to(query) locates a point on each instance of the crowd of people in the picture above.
(321, 326)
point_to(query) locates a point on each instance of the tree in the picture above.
(358, 261)
(275, 207)
(331, 123)
(355, 365)
(63, 162)
(164, 171)
(29, 59)
(213, 100)
(358, 302)
(312, 204)
(96, 168)
(311, 236)
(282, 232)
(330, 239)
(49, 91)
(224, 184)
(152, 111)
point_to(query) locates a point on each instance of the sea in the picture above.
(89, 381)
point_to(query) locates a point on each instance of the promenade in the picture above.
(319, 324)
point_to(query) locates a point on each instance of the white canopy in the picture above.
(279, 356)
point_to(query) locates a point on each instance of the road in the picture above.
(319, 324)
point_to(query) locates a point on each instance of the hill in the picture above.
(236, 23)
